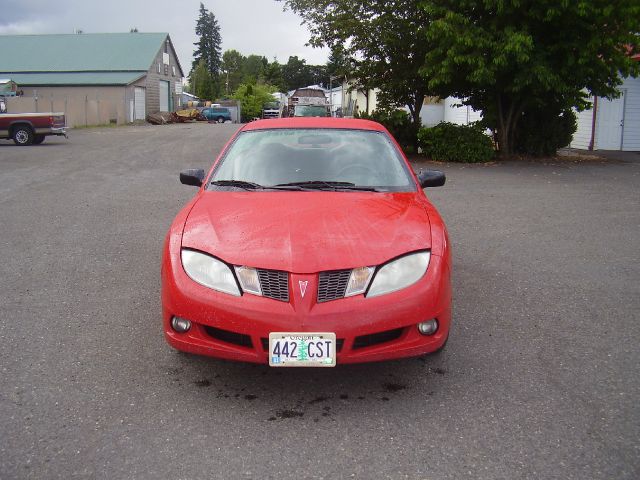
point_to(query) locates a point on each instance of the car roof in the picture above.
(314, 122)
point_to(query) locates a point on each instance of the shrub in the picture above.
(252, 98)
(448, 142)
(543, 131)
(399, 124)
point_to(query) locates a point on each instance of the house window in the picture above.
(166, 46)
(166, 69)
(158, 67)
(173, 70)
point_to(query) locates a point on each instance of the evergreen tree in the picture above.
(208, 47)
(201, 82)
(302, 349)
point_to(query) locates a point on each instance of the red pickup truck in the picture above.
(28, 128)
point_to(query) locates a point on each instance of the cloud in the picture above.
(22, 27)
(258, 27)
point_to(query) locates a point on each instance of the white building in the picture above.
(611, 124)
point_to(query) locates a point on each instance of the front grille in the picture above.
(376, 338)
(229, 337)
(265, 344)
(333, 285)
(274, 284)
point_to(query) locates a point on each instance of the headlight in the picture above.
(399, 274)
(210, 272)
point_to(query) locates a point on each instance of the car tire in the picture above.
(220, 119)
(23, 135)
(38, 139)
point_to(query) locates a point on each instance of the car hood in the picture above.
(307, 232)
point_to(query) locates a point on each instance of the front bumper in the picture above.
(367, 329)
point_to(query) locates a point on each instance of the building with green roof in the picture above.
(95, 78)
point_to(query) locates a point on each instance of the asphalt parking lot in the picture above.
(539, 378)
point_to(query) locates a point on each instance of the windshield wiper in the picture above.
(251, 185)
(323, 185)
(237, 183)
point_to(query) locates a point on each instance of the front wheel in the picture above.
(220, 119)
(23, 136)
(38, 139)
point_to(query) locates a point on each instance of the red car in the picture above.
(309, 243)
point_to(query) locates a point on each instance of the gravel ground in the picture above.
(539, 378)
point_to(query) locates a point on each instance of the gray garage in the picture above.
(95, 78)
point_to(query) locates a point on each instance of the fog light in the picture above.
(429, 327)
(180, 325)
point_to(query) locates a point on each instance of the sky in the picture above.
(258, 27)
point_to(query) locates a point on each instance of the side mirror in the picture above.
(193, 176)
(431, 178)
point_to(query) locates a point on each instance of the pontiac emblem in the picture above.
(303, 287)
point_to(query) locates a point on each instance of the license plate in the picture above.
(290, 349)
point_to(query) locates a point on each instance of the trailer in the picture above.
(307, 102)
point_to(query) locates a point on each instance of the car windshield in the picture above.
(310, 111)
(319, 159)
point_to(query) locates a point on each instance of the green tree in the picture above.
(273, 75)
(385, 41)
(252, 99)
(296, 74)
(338, 64)
(232, 70)
(253, 69)
(201, 83)
(512, 59)
(208, 47)
(318, 74)
(515, 59)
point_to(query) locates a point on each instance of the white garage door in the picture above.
(610, 120)
(140, 103)
(164, 96)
